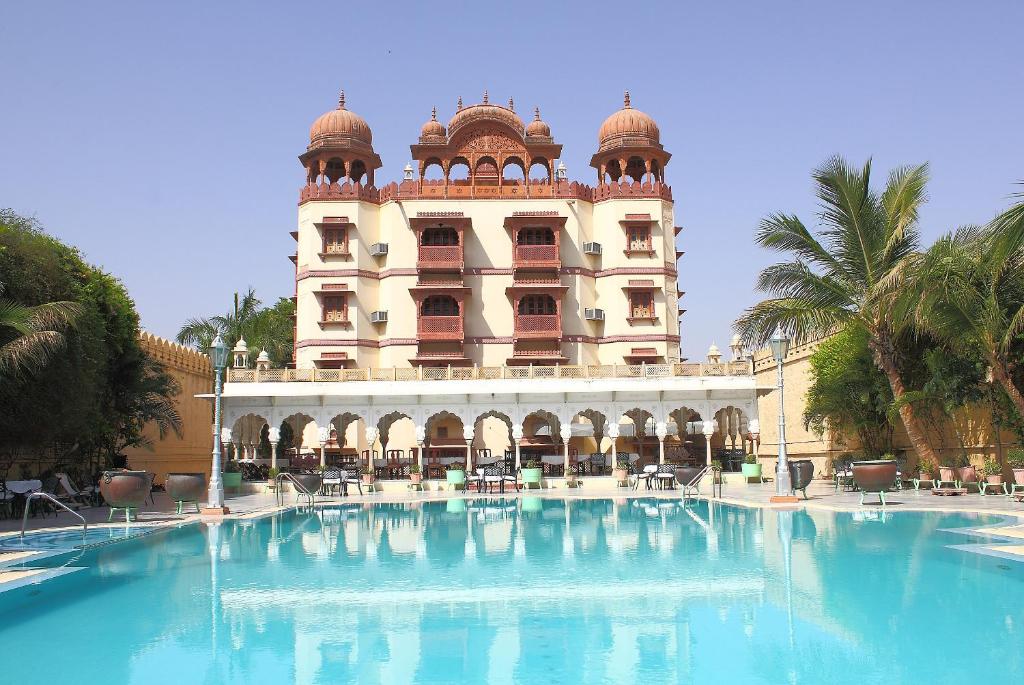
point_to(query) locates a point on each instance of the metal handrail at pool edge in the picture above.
(46, 495)
(296, 484)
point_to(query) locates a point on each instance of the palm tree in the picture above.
(968, 291)
(199, 333)
(29, 336)
(848, 274)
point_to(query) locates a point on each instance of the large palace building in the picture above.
(487, 283)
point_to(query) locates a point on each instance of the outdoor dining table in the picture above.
(21, 489)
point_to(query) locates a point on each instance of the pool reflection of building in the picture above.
(506, 314)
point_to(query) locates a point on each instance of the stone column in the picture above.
(274, 436)
(661, 430)
(708, 429)
(371, 437)
(565, 432)
(421, 437)
(613, 435)
(467, 435)
(517, 436)
(323, 435)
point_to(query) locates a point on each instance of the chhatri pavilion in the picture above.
(486, 308)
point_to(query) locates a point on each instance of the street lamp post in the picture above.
(219, 358)
(783, 481)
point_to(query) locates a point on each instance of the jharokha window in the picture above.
(335, 308)
(536, 236)
(638, 238)
(440, 305)
(538, 304)
(641, 304)
(440, 236)
(335, 241)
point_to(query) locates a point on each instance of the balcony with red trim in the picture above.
(440, 258)
(440, 328)
(537, 257)
(538, 326)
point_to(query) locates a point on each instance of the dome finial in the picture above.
(433, 114)
(511, 104)
(341, 99)
(485, 97)
(625, 101)
(536, 113)
(459, 106)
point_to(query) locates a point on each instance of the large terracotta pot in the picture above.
(947, 473)
(686, 474)
(801, 473)
(122, 489)
(1018, 476)
(310, 481)
(874, 476)
(994, 480)
(968, 474)
(185, 487)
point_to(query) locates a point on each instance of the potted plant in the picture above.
(231, 476)
(1015, 458)
(925, 468)
(455, 474)
(993, 471)
(532, 473)
(751, 468)
(366, 474)
(415, 476)
(571, 479)
(621, 471)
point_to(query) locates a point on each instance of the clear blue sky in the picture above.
(161, 138)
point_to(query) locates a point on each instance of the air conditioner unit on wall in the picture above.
(378, 249)
(592, 248)
(593, 314)
(378, 317)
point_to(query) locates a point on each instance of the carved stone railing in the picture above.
(466, 373)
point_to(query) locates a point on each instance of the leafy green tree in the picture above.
(849, 273)
(269, 328)
(85, 401)
(968, 291)
(848, 394)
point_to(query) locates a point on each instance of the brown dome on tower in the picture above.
(485, 110)
(340, 124)
(629, 148)
(628, 128)
(432, 131)
(340, 148)
(538, 128)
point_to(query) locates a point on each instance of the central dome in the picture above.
(340, 123)
(482, 112)
(628, 127)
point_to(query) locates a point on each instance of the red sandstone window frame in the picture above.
(340, 238)
(639, 239)
(334, 309)
(641, 306)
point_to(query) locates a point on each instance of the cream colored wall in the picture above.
(488, 244)
(191, 452)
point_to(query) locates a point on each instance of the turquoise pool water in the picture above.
(531, 591)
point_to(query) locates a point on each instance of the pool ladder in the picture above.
(693, 487)
(46, 495)
(299, 487)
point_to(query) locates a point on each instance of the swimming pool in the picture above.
(530, 591)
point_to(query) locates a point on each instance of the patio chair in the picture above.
(6, 500)
(72, 493)
(646, 475)
(495, 475)
(476, 479)
(350, 478)
(843, 474)
(331, 481)
(665, 476)
(598, 461)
